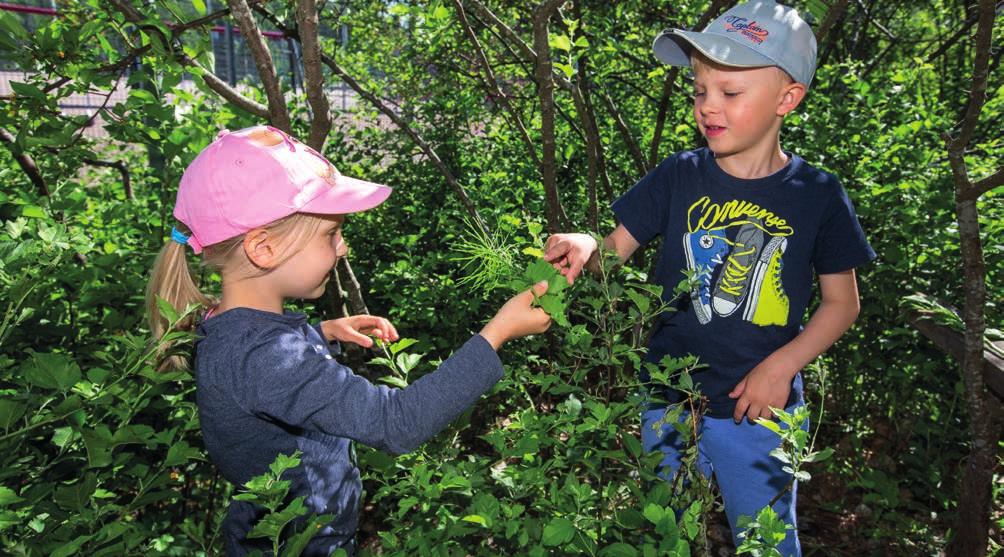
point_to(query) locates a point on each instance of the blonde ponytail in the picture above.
(172, 280)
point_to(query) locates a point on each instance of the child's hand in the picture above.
(517, 318)
(569, 253)
(767, 385)
(355, 328)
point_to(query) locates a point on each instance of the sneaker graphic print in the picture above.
(736, 249)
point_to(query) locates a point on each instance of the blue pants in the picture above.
(737, 456)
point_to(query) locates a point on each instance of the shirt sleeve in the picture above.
(334, 346)
(644, 209)
(841, 244)
(289, 382)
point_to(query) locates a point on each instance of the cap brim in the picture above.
(349, 195)
(670, 47)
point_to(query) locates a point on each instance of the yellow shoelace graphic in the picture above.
(735, 273)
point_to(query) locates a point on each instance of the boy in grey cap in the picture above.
(753, 222)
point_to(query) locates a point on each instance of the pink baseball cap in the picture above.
(252, 177)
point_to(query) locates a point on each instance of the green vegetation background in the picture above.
(100, 454)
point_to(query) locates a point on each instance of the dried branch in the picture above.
(320, 124)
(277, 112)
(25, 161)
(400, 122)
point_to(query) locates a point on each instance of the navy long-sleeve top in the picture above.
(268, 384)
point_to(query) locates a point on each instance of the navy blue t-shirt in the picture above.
(754, 244)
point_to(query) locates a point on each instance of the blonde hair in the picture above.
(171, 278)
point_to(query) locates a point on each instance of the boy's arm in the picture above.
(769, 383)
(569, 253)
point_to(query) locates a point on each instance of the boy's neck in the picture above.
(753, 163)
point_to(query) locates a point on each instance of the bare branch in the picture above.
(833, 15)
(484, 13)
(278, 114)
(320, 124)
(212, 80)
(556, 219)
(625, 131)
(995, 180)
(528, 54)
(451, 180)
(972, 524)
(25, 161)
(224, 89)
(123, 170)
(492, 83)
(179, 28)
(667, 85)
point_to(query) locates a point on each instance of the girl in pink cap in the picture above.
(265, 211)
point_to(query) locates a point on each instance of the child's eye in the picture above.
(732, 93)
(698, 93)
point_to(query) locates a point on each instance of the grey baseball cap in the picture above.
(750, 35)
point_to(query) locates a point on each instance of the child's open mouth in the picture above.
(713, 131)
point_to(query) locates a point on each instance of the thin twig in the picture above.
(25, 161)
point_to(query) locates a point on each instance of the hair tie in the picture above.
(179, 236)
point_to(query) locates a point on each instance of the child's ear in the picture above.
(260, 248)
(791, 96)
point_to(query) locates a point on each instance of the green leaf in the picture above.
(565, 69)
(632, 445)
(10, 412)
(71, 548)
(27, 90)
(402, 344)
(560, 42)
(619, 549)
(51, 371)
(654, 513)
(769, 424)
(180, 453)
(200, 6)
(8, 497)
(819, 456)
(476, 519)
(33, 212)
(75, 497)
(296, 544)
(558, 531)
(12, 25)
(272, 524)
(166, 310)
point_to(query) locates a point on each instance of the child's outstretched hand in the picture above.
(517, 318)
(355, 329)
(569, 253)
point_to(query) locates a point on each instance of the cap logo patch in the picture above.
(745, 27)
